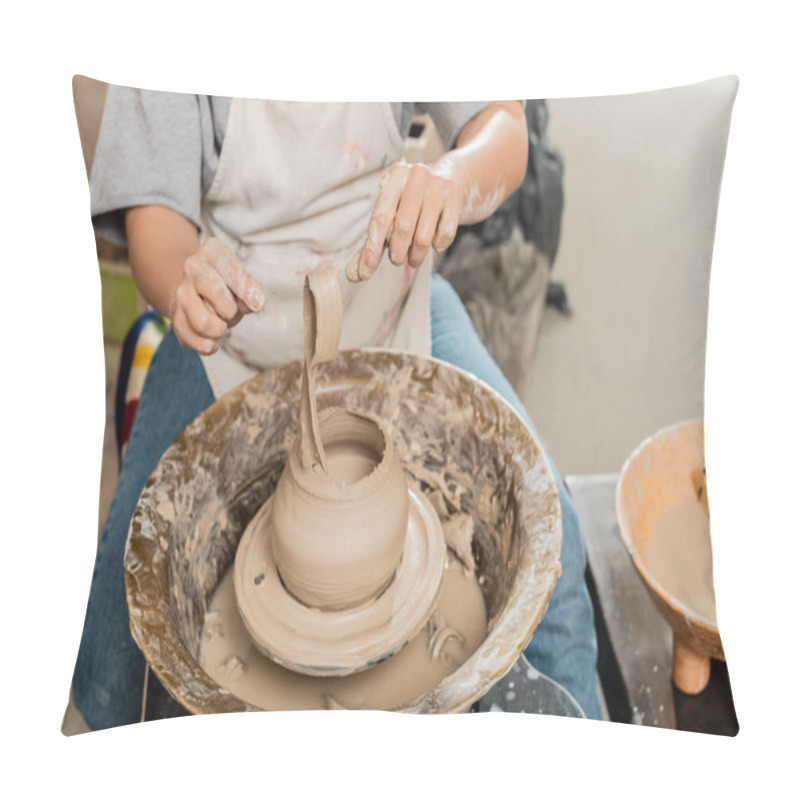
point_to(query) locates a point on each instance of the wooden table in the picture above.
(634, 641)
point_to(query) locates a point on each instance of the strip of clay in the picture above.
(338, 547)
(322, 329)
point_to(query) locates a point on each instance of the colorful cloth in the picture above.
(137, 351)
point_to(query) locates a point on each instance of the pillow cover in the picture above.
(588, 287)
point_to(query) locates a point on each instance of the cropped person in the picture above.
(225, 205)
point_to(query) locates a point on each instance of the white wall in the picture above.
(642, 177)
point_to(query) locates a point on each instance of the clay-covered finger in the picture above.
(351, 270)
(202, 318)
(448, 223)
(407, 214)
(380, 223)
(427, 225)
(240, 283)
(188, 338)
(241, 310)
(212, 288)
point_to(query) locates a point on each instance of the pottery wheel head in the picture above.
(339, 642)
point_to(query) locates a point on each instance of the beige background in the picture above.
(642, 179)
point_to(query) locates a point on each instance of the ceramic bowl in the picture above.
(656, 477)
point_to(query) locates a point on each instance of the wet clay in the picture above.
(337, 537)
(471, 453)
(322, 329)
(679, 557)
(343, 565)
(339, 642)
(348, 463)
(451, 635)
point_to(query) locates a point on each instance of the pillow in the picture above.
(588, 288)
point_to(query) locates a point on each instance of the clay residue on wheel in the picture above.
(457, 436)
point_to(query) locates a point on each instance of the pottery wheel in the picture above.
(322, 642)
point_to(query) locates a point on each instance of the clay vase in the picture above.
(338, 534)
(656, 476)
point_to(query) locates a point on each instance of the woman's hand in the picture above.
(421, 206)
(418, 207)
(213, 296)
(203, 289)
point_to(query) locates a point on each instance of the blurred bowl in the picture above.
(655, 478)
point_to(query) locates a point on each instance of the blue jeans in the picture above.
(109, 672)
(564, 645)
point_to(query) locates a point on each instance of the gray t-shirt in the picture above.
(162, 148)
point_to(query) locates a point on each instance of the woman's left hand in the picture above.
(418, 207)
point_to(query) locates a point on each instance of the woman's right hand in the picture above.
(213, 295)
(202, 288)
